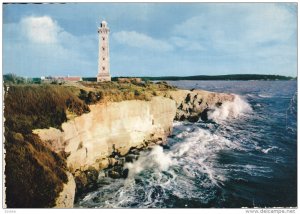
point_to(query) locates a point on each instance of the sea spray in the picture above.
(156, 158)
(229, 109)
(190, 160)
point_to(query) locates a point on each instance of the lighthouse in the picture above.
(103, 55)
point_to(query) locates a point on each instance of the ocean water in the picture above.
(244, 156)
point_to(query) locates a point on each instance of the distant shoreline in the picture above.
(231, 77)
(243, 77)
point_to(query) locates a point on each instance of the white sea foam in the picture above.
(249, 169)
(195, 156)
(264, 96)
(230, 109)
(174, 171)
(155, 159)
(251, 95)
(266, 151)
(182, 170)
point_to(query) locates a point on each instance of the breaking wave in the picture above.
(230, 109)
(156, 159)
(188, 170)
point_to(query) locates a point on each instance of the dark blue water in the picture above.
(247, 159)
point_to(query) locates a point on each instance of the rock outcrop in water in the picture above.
(195, 104)
(98, 139)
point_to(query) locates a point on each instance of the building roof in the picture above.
(72, 78)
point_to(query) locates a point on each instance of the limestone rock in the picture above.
(99, 139)
(54, 138)
(192, 105)
(111, 127)
(67, 196)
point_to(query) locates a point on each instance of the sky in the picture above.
(151, 39)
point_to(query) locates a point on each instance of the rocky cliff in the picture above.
(92, 140)
(67, 195)
(195, 105)
(111, 127)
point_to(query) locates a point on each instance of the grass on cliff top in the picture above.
(116, 92)
(30, 107)
(34, 174)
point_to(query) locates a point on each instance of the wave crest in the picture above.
(155, 159)
(229, 109)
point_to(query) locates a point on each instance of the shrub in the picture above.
(90, 97)
(13, 78)
(39, 106)
(35, 174)
(137, 93)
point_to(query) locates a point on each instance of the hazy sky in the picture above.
(151, 39)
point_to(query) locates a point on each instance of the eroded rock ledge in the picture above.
(92, 141)
(193, 105)
(67, 196)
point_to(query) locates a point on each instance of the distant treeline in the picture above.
(220, 77)
(12, 78)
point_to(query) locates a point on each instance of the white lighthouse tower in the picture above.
(103, 57)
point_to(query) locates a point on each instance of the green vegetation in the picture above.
(12, 78)
(90, 79)
(90, 97)
(220, 77)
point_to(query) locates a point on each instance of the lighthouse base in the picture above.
(103, 78)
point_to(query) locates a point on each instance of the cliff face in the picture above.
(67, 195)
(87, 138)
(112, 127)
(92, 140)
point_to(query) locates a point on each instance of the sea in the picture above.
(245, 155)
